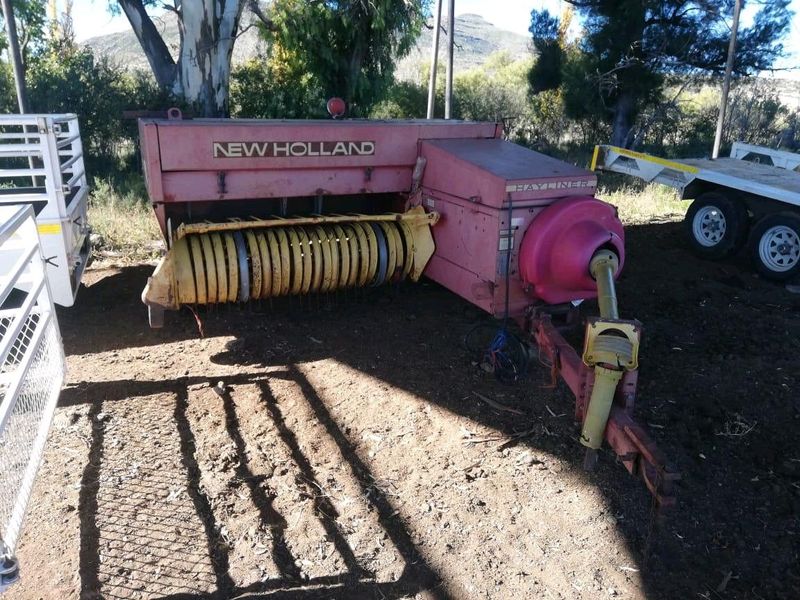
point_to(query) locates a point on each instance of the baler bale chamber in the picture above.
(262, 208)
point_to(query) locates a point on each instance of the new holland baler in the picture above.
(263, 208)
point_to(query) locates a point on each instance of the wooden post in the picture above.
(14, 55)
(437, 26)
(726, 82)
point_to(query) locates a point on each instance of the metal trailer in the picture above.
(751, 198)
(32, 372)
(41, 164)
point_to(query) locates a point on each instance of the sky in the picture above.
(91, 18)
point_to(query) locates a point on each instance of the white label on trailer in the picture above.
(517, 222)
(430, 202)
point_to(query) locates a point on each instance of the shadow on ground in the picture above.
(416, 577)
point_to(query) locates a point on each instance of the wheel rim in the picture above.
(709, 226)
(779, 248)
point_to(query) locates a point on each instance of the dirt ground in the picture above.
(352, 458)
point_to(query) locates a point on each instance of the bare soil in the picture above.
(350, 457)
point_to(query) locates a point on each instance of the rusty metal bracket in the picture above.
(630, 441)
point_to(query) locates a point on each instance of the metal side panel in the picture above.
(65, 247)
(54, 183)
(644, 166)
(766, 156)
(60, 256)
(32, 370)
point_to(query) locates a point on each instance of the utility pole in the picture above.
(14, 55)
(726, 82)
(451, 32)
(437, 26)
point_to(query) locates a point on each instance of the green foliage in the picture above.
(491, 92)
(630, 48)
(77, 82)
(120, 213)
(348, 47)
(31, 18)
(65, 78)
(495, 91)
(265, 89)
(639, 202)
(685, 125)
(8, 94)
(545, 74)
(405, 100)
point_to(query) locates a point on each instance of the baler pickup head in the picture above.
(251, 259)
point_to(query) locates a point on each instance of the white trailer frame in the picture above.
(688, 175)
(32, 370)
(766, 156)
(752, 197)
(41, 164)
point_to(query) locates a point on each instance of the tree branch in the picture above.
(256, 9)
(155, 49)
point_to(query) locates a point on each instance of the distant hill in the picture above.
(123, 48)
(476, 39)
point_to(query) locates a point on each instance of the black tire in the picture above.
(775, 246)
(716, 226)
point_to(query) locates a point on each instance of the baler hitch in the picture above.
(603, 381)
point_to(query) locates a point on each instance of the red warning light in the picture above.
(337, 107)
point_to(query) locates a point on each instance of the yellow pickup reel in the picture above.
(250, 259)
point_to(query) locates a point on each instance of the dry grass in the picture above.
(124, 219)
(644, 203)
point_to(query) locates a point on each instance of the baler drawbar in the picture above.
(257, 209)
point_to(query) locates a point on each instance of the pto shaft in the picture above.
(603, 266)
(607, 356)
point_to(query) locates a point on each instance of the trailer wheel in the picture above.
(716, 225)
(775, 246)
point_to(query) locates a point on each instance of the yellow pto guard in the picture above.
(244, 259)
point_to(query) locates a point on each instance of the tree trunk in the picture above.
(201, 75)
(623, 120)
(208, 30)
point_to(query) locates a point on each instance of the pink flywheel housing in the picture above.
(560, 242)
